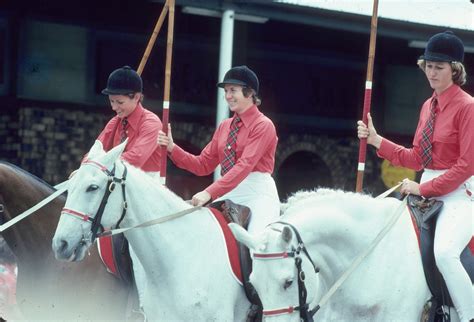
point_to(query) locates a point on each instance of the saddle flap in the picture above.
(424, 210)
(233, 212)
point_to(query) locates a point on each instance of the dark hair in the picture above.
(132, 96)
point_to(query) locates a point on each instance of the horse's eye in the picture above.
(287, 283)
(92, 187)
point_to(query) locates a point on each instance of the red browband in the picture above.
(97, 164)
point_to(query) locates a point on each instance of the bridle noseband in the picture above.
(305, 313)
(96, 220)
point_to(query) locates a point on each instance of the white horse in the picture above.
(187, 274)
(336, 227)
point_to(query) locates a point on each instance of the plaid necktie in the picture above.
(123, 132)
(229, 149)
(427, 135)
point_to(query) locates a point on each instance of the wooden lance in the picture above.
(367, 96)
(152, 40)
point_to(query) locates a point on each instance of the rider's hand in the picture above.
(201, 198)
(368, 132)
(410, 187)
(166, 140)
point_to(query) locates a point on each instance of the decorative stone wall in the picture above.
(49, 143)
(9, 139)
(339, 154)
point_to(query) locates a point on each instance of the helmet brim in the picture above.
(231, 82)
(437, 57)
(107, 91)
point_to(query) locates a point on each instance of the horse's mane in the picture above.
(324, 194)
(145, 178)
(25, 173)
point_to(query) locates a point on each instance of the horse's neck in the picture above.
(162, 246)
(337, 234)
(32, 236)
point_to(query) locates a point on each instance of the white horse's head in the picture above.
(275, 271)
(94, 191)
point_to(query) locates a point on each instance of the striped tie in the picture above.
(123, 132)
(229, 150)
(427, 135)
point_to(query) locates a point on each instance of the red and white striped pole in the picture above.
(169, 5)
(166, 96)
(367, 97)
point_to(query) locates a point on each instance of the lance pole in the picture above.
(166, 96)
(152, 40)
(367, 97)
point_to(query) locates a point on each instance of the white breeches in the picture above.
(454, 230)
(258, 192)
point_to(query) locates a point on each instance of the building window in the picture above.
(3, 56)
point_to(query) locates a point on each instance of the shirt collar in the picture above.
(134, 117)
(445, 97)
(249, 115)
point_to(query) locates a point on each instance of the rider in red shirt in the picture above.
(448, 174)
(124, 89)
(248, 181)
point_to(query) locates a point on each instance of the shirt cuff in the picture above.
(386, 149)
(213, 191)
(176, 153)
(426, 189)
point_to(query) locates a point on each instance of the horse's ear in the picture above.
(286, 234)
(110, 157)
(243, 236)
(96, 150)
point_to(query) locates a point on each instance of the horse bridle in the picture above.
(111, 182)
(305, 313)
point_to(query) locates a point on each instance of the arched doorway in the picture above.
(302, 170)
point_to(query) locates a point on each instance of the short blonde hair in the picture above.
(247, 91)
(459, 72)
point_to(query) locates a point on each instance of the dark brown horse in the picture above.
(47, 288)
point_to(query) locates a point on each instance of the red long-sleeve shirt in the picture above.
(453, 143)
(142, 150)
(256, 146)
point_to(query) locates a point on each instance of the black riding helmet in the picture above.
(123, 81)
(241, 75)
(444, 47)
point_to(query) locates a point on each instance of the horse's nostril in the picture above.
(62, 245)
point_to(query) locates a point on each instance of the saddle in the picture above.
(424, 213)
(240, 215)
